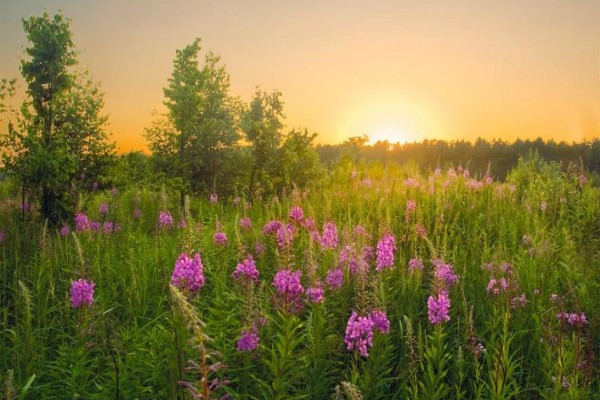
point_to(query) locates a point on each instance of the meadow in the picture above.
(375, 283)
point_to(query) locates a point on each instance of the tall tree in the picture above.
(61, 134)
(194, 140)
(262, 122)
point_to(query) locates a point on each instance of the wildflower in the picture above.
(309, 224)
(288, 287)
(214, 198)
(411, 182)
(165, 219)
(137, 213)
(335, 278)
(415, 264)
(82, 293)
(297, 214)
(385, 252)
(271, 227)
(220, 239)
(108, 227)
(259, 249)
(65, 230)
(554, 297)
(236, 201)
(103, 208)
(114, 191)
(421, 231)
(187, 274)
(245, 223)
(81, 222)
(94, 226)
(182, 224)
(316, 294)
(329, 238)
(444, 273)
(518, 301)
(543, 206)
(248, 340)
(411, 206)
(380, 321)
(573, 319)
(359, 334)
(285, 235)
(246, 269)
(438, 308)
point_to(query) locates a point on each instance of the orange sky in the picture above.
(396, 70)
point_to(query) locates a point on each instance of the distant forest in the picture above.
(497, 157)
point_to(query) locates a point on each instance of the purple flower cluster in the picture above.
(214, 198)
(165, 220)
(335, 278)
(103, 208)
(82, 222)
(573, 319)
(329, 237)
(289, 289)
(411, 207)
(438, 308)
(137, 213)
(518, 301)
(444, 273)
(245, 223)
(359, 334)
(246, 270)
(220, 239)
(496, 286)
(380, 321)
(271, 227)
(415, 264)
(65, 230)
(297, 214)
(82, 293)
(248, 340)
(315, 294)
(187, 274)
(385, 252)
(285, 235)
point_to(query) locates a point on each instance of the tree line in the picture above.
(495, 157)
(56, 145)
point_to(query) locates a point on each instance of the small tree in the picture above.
(194, 140)
(59, 140)
(262, 122)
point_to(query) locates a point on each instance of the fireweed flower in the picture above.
(285, 235)
(359, 334)
(245, 223)
(573, 319)
(315, 294)
(82, 293)
(289, 289)
(103, 209)
(297, 214)
(137, 213)
(335, 278)
(246, 270)
(236, 201)
(108, 227)
(214, 198)
(438, 308)
(95, 226)
(187, 274)
(444, 273)
(271, 227)
(259, 249)
(309, 224)
(518, 301)
(165, 220)
(248, 340)
(543, 206)
(421, 231)
(81, 222)
(220, 239)
(385, 252)
(411, 206)
(415, 264)
(329, 238)
(380, 321)
(65, 230)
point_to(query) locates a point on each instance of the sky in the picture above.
(393, 70)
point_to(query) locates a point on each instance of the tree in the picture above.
(195, 140)
(300, 163)
(60, 138)
(262, 123)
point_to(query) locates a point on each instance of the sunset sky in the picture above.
(395, 70)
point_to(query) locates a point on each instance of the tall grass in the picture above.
(540, 231)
